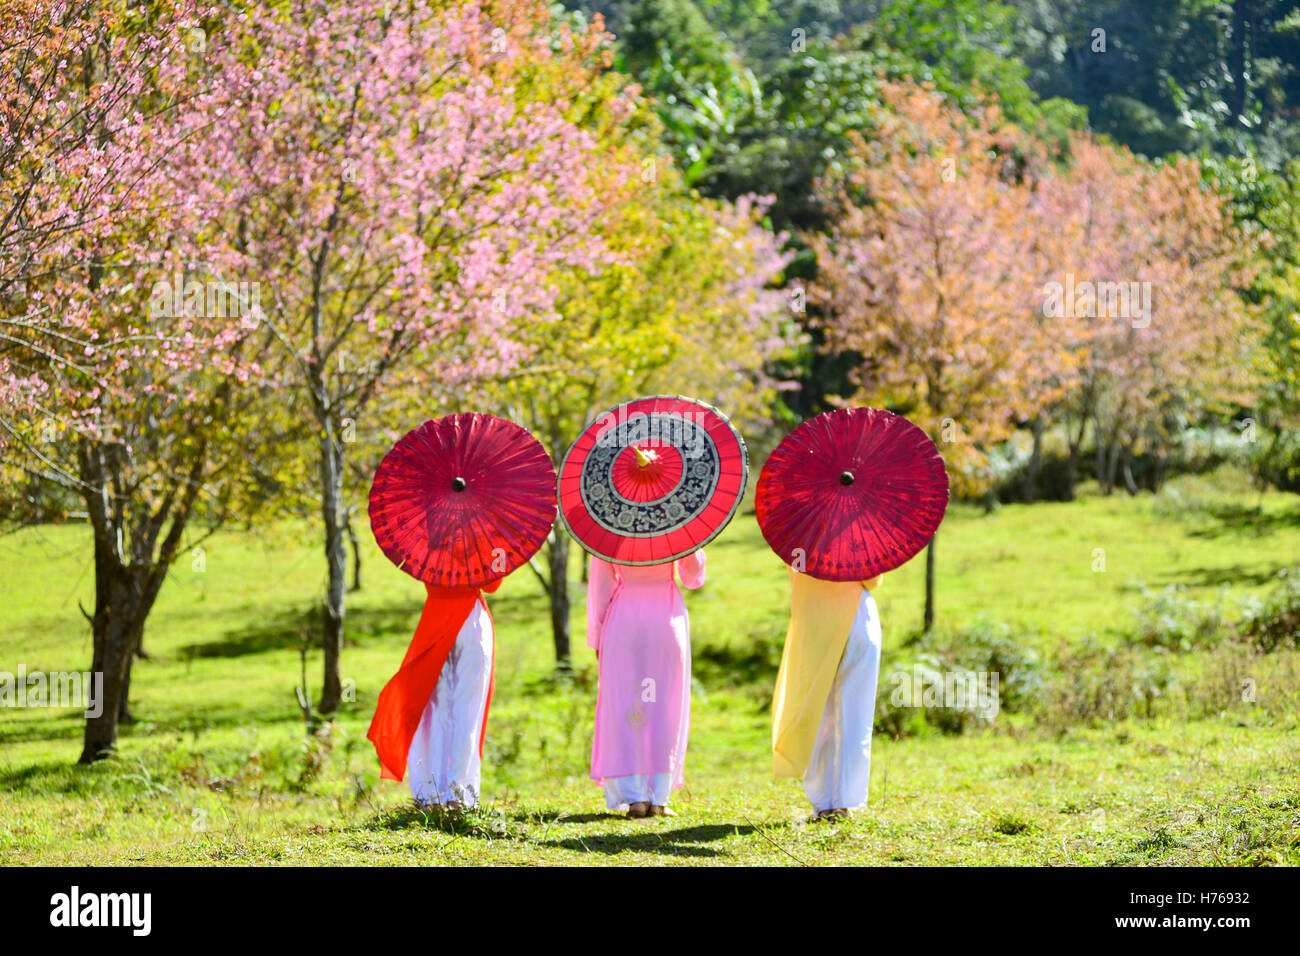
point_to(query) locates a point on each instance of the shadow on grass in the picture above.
(1234, 574)
(1230, 518)
(54, 728)
(286, 630)
(556, 816)
(156, 720)
(684, 841)
(741, 662)
(22, 778)
(520, 608)
(105, 778)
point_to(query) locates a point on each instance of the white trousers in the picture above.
(653, 788)
(839, 771)
(443, 762)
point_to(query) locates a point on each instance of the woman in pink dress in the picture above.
(637, 624)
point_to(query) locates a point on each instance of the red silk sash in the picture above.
(402, 701)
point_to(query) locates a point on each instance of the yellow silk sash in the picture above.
(821, 613)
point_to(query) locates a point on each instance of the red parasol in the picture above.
(652, 480)
(851, 494)
(463, 500)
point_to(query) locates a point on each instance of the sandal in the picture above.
(638, 810)
(837, 813)
(658, 811)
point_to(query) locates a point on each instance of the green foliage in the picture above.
(666, 37)
(1172, 620)
(1096, 682)
(774, 132)
(1173, 75)
(1274, 624)
(1276, 460)
(1279, 287)
(967, 48)
(986, 646)
(1269, 204)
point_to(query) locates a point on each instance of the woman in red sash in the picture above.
(432, 716)
(460, 501)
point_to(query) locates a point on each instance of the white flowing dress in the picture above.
(839, 772)
(443, 762)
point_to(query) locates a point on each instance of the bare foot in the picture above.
(638, 810)
(659, 811)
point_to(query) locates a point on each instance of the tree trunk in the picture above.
(1112, 468)
(558, 556)
(1101, 465)
(929, 584)
(124, 596)
(113, 643)
(1158, 472)
(355, 547)
(1075, 443)
(1237, 62)
(124, 715)
(1129, 484)
(335, 519)
(1030, 490)
(125, 588)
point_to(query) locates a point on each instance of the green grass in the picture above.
(218, 769)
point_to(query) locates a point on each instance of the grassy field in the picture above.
(218, 770)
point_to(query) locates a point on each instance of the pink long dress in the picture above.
(637, 623)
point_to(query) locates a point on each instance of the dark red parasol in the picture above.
(463, 500)
(652, 480)
(851, 494)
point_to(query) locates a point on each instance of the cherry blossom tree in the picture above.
(926, 274)
(1148, 284)
(404, 179)
(118, 377)
(984, 283)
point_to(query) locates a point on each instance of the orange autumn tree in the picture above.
(932, 274)
(1148, 286)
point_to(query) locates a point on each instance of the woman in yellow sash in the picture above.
(825, 700)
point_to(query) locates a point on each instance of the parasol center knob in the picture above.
(846, 478)
(645, 456)
(458, 484)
